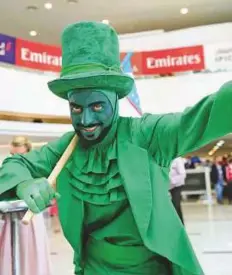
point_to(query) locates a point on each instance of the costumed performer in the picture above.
(115, 209)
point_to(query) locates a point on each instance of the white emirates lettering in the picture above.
(41, 58)
(170, 61)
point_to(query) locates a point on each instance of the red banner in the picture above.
(48, 58)
(173, 60)
(38, 56)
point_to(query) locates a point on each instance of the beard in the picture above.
(89, 143)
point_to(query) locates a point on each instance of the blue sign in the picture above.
(7, 49)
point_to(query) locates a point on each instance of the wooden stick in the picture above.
(54, 174)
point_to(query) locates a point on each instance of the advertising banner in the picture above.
(7, 49)
(44, 57)
(38, 56)
(218, 57)
(173, 60)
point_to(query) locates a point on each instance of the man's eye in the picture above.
(77, 110)
(97, 107)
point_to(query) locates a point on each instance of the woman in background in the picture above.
(33, 237)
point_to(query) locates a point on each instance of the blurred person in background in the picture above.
(218, 178)
(229, 180)
(225, 159)
(188, 163)
(196, 161)
(208, 163)
(33, 237)
(20, 145)
(177, 180)
(192, 162)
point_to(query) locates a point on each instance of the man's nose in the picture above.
(87, 118)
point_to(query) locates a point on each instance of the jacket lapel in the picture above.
(134, 168)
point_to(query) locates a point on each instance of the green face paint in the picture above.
(92, 112)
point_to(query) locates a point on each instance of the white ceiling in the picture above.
(125, 15)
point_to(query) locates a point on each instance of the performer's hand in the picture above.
(37, 194)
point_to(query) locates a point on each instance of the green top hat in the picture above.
(91, 59)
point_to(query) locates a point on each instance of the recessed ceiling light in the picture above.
(184, 10)
(33, 33)
(48, 5)
(105, 21)
(72, 1)
(32, 8)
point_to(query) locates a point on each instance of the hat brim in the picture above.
(122, 84)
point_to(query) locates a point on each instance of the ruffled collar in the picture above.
(96, 158)
(95, 173)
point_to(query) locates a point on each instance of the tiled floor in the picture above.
(209, 228)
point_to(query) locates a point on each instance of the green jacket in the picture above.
(146, 146)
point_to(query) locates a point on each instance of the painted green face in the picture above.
(92, 112)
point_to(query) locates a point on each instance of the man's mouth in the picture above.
(89, 129)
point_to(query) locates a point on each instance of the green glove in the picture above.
(37, 194)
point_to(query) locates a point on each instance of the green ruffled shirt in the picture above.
(97, 179)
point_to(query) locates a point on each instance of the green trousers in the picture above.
(102, 258)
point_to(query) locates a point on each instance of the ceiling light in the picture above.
(72, 1)
(184, 10)
(220, 143)
(48, 5)
(32, 8)
(33, 33)
(105, 21)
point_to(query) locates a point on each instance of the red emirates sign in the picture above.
(38, 56)
(48, 58)
(173, 60)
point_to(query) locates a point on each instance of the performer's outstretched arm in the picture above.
(171, 135)
(35, 164)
